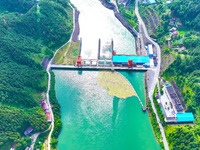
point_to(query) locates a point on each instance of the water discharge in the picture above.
(98, 22)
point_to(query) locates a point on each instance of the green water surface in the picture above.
(94, 120)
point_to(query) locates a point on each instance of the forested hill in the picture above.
(188, 11)
(16, 5)
(27, 33)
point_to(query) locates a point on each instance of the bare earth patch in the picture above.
(71, 51)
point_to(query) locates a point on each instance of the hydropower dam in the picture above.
(91, 118)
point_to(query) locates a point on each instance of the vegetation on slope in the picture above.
(188, 11)
(185, 71)
(155, 19)
(128, 12)
(56, 111)
(155, 125)
(67, 54)
(183, 137)
(27, 34)
(184, 68)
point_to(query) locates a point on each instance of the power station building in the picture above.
(123, 60)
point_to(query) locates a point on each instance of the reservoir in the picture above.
(92, 119)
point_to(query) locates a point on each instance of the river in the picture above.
(96, 22)
(92, 119)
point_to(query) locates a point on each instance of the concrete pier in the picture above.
(99, 49)
(79, 53)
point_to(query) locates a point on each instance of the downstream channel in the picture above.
(92, 119)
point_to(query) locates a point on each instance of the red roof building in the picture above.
(44, 107)
(175, 33)
(48, 116)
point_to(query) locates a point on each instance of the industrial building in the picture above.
(174, 99)
(185, 117)
(44, 107)
(172, 107)
(138, 60)
(28, 131)
(153, 2)
(150, 50)
(46, 110)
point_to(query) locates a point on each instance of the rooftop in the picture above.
(136, 59)
(185, 117)
(175, 100)
(152, 1)
(28, 131)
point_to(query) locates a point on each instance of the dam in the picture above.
(91, 117)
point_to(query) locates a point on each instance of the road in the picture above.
(49, 105)
(155, 73)
(47, 95)
(115, 3)
(49, 85)
(143, 51)
(35, 136)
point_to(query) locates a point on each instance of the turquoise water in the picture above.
(94, 120)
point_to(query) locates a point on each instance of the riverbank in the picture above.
(56, 110)
(68, 53)
(76, 30)
(124, 22)
(56, 123)
(152, 115)
(153, 75)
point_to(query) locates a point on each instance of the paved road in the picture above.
(142, 46)
(155, 74)
(115, 3)
(47, 95)
(48, 103)
(35, 136)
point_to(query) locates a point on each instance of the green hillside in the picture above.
(27, 34)
(188, 11)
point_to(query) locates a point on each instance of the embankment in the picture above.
(76, 31)
(124, 22)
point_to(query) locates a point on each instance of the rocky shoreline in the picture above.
(124, 22)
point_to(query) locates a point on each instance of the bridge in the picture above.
(95, 67)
